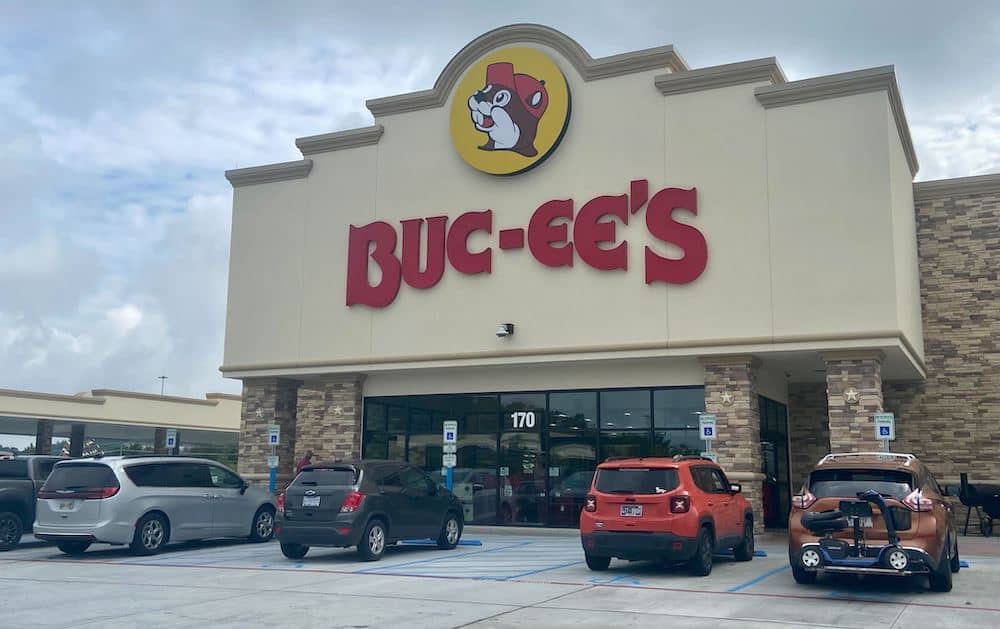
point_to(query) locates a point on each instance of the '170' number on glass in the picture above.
(523, 419)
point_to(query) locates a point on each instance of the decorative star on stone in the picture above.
(338, 411)
(727, 398)
(851, 395)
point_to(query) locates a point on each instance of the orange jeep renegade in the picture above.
(669, 509)
(872, 513)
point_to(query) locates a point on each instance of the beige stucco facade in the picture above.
(805, 198)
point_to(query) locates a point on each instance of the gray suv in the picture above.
(146, 502)
(368, 504)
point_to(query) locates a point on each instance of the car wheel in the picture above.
(701, 564)
(372, 543)
(262, 528)
(940, 578)
(596, 563)
(956, 563)
(11, 530)
(451, 532)
(744, 552)
(73, 548)
(150, 535)
(986, 526)
(803, 576)
(294, 551)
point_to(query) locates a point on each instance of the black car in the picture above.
(367, 504)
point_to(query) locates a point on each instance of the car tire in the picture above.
(940, 578)
(262, 526)
(744, 552)
(803, 576)
(597, 563)
(73, 548)
(701, 564)
(294, 551)
(151, 534)
(956, 563)
(372, 544)
(451, 532)
(11, 530)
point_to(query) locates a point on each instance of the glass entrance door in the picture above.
(774, 453)
(523, 470)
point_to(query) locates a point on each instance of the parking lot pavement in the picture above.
(508, 581)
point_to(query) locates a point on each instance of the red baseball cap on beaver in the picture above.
(530, 90)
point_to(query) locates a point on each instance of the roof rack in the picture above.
(907, 458)
(691, 457)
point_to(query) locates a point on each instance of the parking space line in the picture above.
(376, 569)
(526, 574)
(758, 579)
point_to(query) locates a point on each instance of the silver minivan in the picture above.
(146, 502)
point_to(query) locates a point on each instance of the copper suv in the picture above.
(839, 521)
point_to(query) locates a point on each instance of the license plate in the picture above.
(310, 501)
(631, 511)
(65, 505)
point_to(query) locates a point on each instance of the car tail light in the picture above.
(680, 504)
(281, 503)
(590, 504)
(91, 493)
(351, 502)
(916, 501)
(803, 500)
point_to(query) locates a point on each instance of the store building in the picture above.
(574, 257)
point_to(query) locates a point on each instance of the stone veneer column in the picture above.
(854, 394)
(731, 395)
(808, 429)
(329, 417)
(43, 437)
(267, 400)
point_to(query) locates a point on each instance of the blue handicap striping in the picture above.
(453, 557)
(531, 572)
(963, 564)
(758, 579)
(430, 542)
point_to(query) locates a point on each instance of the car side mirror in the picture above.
(735, 488)
(243, 487)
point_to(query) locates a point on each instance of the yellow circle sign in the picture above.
(509, 111)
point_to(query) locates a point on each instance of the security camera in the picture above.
(505, 330)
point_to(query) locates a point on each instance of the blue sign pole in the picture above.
(272, 480)
(449, 477)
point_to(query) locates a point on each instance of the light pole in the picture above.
(163, 380)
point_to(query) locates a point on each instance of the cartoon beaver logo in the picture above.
(508, 109)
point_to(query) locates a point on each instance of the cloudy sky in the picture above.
(117, 120)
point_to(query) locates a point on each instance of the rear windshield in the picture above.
(14, 469)
(328, 477)
(636, 480)
(849, 483)
(77, 476)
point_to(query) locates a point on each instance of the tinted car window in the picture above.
(45, 468)
(328, 476)
(14, 469)
(718, 480)
(187, 475)
(703, 478)
(223, 478)
(849, 483)
(417, 482)
(152, 475)
(76, 476)
(636, 480)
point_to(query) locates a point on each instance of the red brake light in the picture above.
(590, 504)
(680, 504)
(803, 500)
(281, 503)
(91, 493)
(915, 501)
(351, 502)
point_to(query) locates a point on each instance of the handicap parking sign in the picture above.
(883, 431)
(708, 432)
(449, 436)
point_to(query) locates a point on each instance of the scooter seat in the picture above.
(823, 521)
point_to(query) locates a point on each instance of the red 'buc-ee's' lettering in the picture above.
(549, 243)
(661, 224)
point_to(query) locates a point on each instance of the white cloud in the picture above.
(960, 141)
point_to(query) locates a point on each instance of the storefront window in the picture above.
(625, 410)
(678, 408)
(529, 458)
(572, 454)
